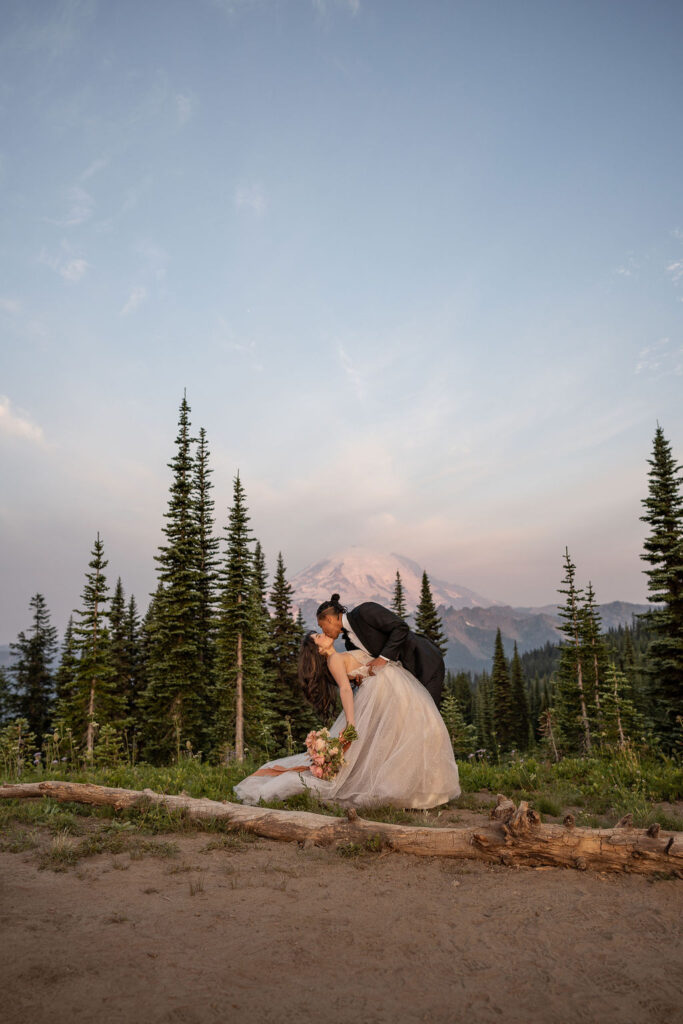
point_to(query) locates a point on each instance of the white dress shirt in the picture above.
(354, 638)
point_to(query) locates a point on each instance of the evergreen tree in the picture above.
(207, 558)
(33, 687)
(571, 706)
(460, 685)
(259, 717)
(65, 677)
(398, 604)
(503, 711)
(175, 701)
(621, 722)
(483, 716)
(664, 552)
(94, 700)
(233, 626)
(463, 736)
(5, 697)
(520, 703)
(595, 651)
(135, 660)
(295, 718)
(427, 620)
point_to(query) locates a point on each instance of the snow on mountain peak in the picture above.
(360, 574)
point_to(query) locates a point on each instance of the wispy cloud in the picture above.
(323, 6)
(675, 270)
(251, 197)
(184, 107)
(134, 301)
(94, 168)
(80, 208)
(18, 423)
(229, 342)
(70, 268)
(354, 375)
(10, 306)
(660, 359)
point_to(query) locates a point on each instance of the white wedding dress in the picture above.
(403, 755)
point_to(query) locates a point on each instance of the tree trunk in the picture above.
(239, 715)
(514, 836)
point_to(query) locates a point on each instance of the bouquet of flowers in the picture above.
(327, 752)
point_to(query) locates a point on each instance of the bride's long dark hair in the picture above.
(315, 678)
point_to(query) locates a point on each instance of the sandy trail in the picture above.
(269, 932)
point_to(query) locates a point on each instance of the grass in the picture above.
(597, 790)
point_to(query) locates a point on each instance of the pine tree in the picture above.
(595, 651)
(135, 657)
(94, 700)
(175, 701)
(259, 716)
(207, 558)
(65, 676)
(520, 703)
(463, 736)
(503, 712)
(33, 688)
(398, 604)
(621, 722)
(294, 716)
(5, 697)
(571, 706)
(664, 552)
(233, 626)
(483, 716)
(427, 620)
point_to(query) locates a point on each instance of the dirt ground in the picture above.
(271, 933)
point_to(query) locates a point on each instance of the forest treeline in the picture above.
(210, 669)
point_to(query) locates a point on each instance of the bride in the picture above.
(403, 755)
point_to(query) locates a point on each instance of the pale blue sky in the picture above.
(418, 264)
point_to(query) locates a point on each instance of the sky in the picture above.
(418, 265)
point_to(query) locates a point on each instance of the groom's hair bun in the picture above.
(332, 606)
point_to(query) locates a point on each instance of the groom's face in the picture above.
(331, 625)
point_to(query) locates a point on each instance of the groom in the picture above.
(381, 634)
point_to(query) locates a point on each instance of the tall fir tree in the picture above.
(294, 716)
(594, 653)
(427, 620)
(463, 736)
(33, 688)
(520, 703)
(663, 550)
(259, 717)
(571, 705)
(175, 701)
(233, 626)
(65, 676)
(135, 657)
(398, 603)
(207, 558)
(94, 701)
(503, 710)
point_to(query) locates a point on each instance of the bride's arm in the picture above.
(337, 668)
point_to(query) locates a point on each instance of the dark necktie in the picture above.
(344, 633)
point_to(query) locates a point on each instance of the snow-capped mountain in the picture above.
(358, 574)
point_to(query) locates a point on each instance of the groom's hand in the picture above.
(376, 664)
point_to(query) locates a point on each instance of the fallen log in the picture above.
(514, 836)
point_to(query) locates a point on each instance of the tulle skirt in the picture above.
(402, 757)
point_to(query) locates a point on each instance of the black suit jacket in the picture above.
(382, 633)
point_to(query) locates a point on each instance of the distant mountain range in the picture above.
(470, 619)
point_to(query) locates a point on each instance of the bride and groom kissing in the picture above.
(389, 680)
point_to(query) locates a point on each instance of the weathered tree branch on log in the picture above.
(514, 836)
